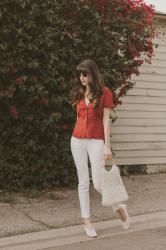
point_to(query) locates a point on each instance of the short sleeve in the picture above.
(107, 98)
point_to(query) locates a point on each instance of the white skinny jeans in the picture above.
(81, 149)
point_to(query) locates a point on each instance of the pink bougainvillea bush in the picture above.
(41, 42)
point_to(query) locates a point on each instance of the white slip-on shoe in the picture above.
(90, 232)
(126, 223)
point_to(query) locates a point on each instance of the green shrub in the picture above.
(41, 42)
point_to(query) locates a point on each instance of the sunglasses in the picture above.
(84, 73)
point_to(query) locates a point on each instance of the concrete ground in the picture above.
(147, 232)
(148, 239)
(32, 212)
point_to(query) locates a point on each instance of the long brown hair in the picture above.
(95, 84)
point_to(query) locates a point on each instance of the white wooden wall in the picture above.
(139, 133)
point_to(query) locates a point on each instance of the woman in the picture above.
(91, 137)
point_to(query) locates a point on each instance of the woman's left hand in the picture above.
(107, 153)
(107, 156)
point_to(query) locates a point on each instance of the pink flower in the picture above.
(149, 19)
(14, 112)
(65, 127)
(19, 81)
(34, 168)
(34, 78)
(13, 70)
(44, 101)
(10, 91)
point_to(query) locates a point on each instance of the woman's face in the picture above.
(85, 78)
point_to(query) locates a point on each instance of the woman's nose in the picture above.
(81, 77)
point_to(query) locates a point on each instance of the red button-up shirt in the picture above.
(89, 122)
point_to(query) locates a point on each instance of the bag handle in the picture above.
(112, 160)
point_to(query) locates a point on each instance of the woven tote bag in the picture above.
(113, 189)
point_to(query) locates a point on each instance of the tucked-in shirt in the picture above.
(89, 122)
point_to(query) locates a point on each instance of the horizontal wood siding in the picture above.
(139, 133)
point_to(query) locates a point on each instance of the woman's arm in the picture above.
(107, 133)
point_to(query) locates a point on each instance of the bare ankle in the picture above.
(122, 214)
(87, 221)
